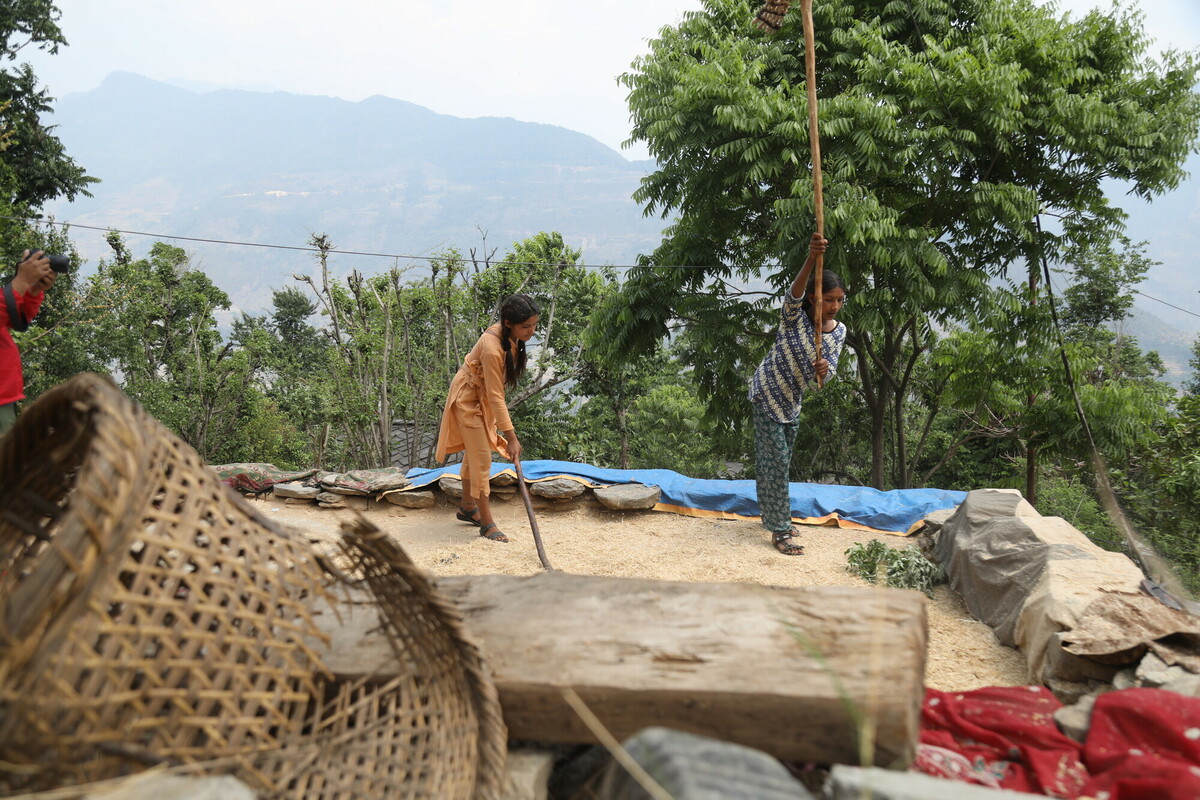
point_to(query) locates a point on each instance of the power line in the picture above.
(1165, 303)
(310, 249)
(1151, 297)
(369, 254)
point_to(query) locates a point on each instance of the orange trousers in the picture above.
(476, 465)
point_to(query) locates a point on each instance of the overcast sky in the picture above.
(546, 61)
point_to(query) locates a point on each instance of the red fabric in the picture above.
(1141, 744)
(1144, 743)
(1008, 737)
(12, 381)
(1139, 779)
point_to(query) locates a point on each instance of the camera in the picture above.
(59, 263)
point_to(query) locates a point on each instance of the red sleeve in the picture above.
(30, 303)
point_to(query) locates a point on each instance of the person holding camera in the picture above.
(22, 300)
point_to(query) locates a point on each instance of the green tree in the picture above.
(34, 166)
(1192, 386)
(364, 330)
(1160, 487)
(670, 433)
(544, 267)
(1004, 380)
(396, 344)
(1104, 279)
(641, 414)
(158, 337)
(35, 169)
(1178, 466)
(612, 390)
(301, 366)
(291, 373)
(1098, 300)
(947, 129)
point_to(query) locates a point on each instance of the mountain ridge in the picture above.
(379, 175)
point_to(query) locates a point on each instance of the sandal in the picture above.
(496, 535)
(784, 543)
(471, 516)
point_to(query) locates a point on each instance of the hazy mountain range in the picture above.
(378, 176)
(387, 176)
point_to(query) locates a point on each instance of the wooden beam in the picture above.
(822, 674)
(814, 146)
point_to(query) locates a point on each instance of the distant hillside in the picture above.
(1172, 343)
(1166, 314)
(1170, 225)
(380, 175)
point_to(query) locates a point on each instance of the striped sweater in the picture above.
(779, 382)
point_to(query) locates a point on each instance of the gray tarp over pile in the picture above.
(1027, 576)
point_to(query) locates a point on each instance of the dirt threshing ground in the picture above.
(588, 540)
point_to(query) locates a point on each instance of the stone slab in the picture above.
(417, 499)
(628, 496)
(557, 488)
(296, 490)
(873, 783)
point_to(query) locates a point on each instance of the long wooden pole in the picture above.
(537, 535)
(814, 142)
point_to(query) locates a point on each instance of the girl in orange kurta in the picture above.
(476, 413)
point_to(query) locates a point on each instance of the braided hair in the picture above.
(513, 311)
(829, 282)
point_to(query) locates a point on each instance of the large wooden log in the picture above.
(822, 674)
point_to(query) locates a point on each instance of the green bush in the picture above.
(1070, 499)
(904, 568)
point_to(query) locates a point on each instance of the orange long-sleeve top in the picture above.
(477, 397)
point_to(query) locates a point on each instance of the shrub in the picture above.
(904, 568)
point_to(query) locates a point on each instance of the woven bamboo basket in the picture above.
(150, 616)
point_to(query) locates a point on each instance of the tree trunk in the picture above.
(860, 343)
(1030, 448)
(1031, 481)
(623, 432)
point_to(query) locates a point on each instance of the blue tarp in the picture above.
(897, 511)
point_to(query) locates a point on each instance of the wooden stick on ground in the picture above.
(537, 535)
(644, 779)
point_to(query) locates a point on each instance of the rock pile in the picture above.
(329, 490)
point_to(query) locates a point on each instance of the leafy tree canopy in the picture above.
(947, 128)
(1104, 282)
(1192, 386)
(34, 166)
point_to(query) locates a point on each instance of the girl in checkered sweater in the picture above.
(778, 386)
